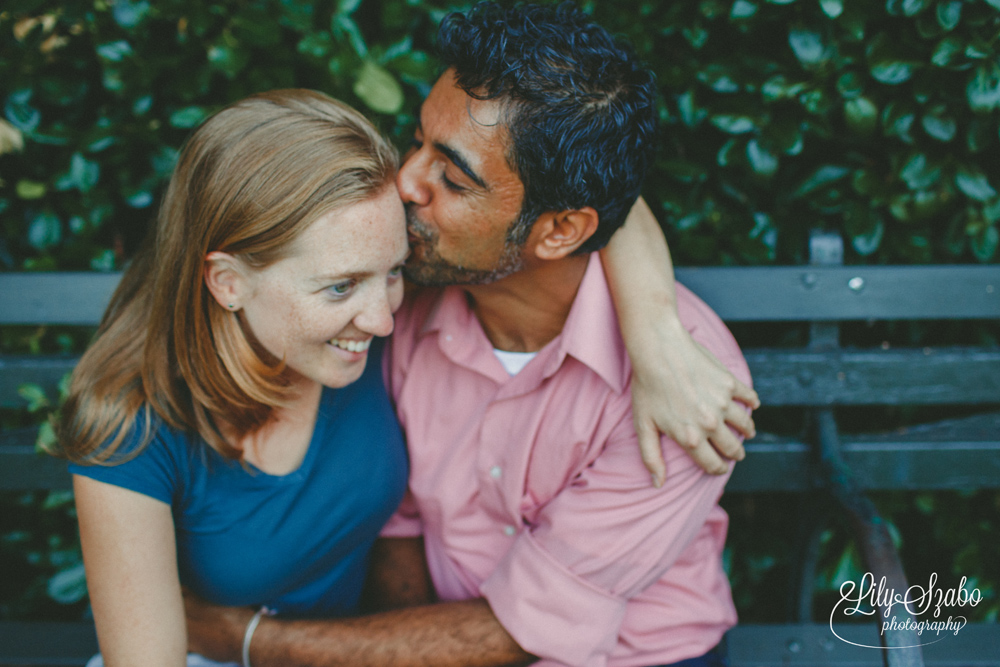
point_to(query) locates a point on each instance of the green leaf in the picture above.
(823, 176)
(68, 586)
(21, 114)
(742, 9)
(230, 60)
(892, 73)
(946, 51)
(56, 499)
(983, 90)
(974, 183)
(897, 119)
(115, 51)
(104, 261)
(832, 8)
(316, 44)
(30, 189)
(690, 114)
(44, 231)
(850, 85)
(761, 160)
(867, 243)
(938, 125)
(913, 7)
(980, 135)
(34, 395)
(949, 13)
(993, 3)
(129, 14)
(46, 438)
(778, 88)
(343, 25)
(861, 114)
(689, 221)
(724, 156)
(808, 46)
(378, 89)
(187, 117)
(919, 173)
(347, 7)
(733, 124)
(984, 245)
(83, 174)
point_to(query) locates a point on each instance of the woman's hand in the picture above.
(682, 391)
(678, 387)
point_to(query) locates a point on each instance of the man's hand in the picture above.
(693, 399)
(214, 631)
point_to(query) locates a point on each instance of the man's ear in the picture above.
(226, 279)
(558, 234)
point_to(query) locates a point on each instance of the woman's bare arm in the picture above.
(678, 388)
(130, 557)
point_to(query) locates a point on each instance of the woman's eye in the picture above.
(396, 272)
(341, 289)
(416, 143)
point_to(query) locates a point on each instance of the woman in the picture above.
(276, 260)
(215, 452)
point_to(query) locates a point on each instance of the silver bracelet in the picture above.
(248, 635)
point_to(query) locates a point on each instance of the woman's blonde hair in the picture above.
(248, 182)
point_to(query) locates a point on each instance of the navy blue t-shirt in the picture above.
(298, 543)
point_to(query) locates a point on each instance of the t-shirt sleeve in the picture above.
(155, 471)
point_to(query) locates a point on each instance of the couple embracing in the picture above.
(242, 482)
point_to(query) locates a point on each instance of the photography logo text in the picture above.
(919, 608)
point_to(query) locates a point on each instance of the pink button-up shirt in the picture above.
(530, 491)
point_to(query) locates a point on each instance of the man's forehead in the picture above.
(471, 126)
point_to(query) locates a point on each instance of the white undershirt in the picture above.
(514, 362)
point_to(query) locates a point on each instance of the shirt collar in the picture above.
(590, 334)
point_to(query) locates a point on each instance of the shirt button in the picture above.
(509, 531)
(495, 472)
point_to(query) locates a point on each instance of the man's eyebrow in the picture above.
(459, 161)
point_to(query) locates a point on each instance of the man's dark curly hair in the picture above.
(578, 105)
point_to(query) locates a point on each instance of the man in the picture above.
(528, 506)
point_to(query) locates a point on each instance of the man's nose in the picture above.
(410, 180)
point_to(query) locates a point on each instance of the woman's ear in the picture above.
(226, 279)
(558, 234)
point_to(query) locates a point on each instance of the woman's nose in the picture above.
(376, 317)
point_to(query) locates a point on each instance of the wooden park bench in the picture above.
(831, 469)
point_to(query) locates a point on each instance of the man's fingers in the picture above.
(745, 394)
(652, 453)
(739, 419)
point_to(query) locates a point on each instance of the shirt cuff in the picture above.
(551, 612)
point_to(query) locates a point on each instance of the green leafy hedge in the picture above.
(875, 119)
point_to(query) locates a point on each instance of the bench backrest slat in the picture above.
(777, 294)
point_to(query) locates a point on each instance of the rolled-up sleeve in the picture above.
(562, 589)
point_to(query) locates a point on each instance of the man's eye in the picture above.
(416, 143)
(341, 289)
(450, 184)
